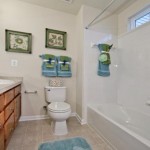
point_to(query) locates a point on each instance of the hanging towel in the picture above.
(65, 58)
(64, 66)
(49, 56)
(49, 65)
(104, 60)
(103, 70)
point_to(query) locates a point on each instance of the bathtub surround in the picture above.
(124, 128)
(133, 81)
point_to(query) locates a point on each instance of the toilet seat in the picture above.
(59, 107)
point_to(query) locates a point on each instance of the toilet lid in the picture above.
(58, 107)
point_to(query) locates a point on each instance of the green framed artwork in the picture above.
(55, 39)
(17, 41)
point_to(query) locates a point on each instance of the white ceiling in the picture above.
(74, 7)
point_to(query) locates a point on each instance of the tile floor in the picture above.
(28, 135)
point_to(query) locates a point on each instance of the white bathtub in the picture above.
(125, 129)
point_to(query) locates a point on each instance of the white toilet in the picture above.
(58, 110)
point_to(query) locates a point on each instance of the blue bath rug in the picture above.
(77, 143)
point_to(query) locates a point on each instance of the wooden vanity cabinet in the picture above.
(17, 111)
(2, 130)
(2, 144)
(10, 111)
(9, 126)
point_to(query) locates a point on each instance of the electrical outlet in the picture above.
(14, 63)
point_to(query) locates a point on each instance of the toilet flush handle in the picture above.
(48, 90)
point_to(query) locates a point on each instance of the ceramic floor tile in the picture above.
(31, 147)
(98, 147)
(20, 130)
(16, 140)
(14, 147)
(29, 135)
(32, 138)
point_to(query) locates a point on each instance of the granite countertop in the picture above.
(5, 87)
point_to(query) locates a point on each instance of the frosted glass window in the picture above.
(140, 18)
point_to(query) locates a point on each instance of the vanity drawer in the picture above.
(17, 108)
(17, 90)
(2, 139)
(2, 100)
(1, 119)
(9, 96)
(9, 126)
(9, 109)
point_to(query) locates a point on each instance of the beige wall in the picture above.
(131, 10)
(19, 16)
(80, 68)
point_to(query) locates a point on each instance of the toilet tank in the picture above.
(55, 94)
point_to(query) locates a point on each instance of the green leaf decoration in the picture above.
(53, 36)
(19, 41)
(60, 38)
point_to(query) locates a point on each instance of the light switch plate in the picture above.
(14, 62)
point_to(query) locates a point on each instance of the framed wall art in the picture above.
(17, 41)
(56, 39)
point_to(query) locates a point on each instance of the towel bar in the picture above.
(32, 92)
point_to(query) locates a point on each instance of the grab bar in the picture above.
(30, 92)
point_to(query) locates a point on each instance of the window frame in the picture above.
(132, 20)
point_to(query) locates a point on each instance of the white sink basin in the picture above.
(3, 81)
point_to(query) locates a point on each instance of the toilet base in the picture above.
(59, 128)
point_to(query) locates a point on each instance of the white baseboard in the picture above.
(82, 121)
(38, 117)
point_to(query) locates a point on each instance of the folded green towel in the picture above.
(49, 56)
(104, 58)
(49, 65)
(65, 58)
(64, 67)
(105, 47)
